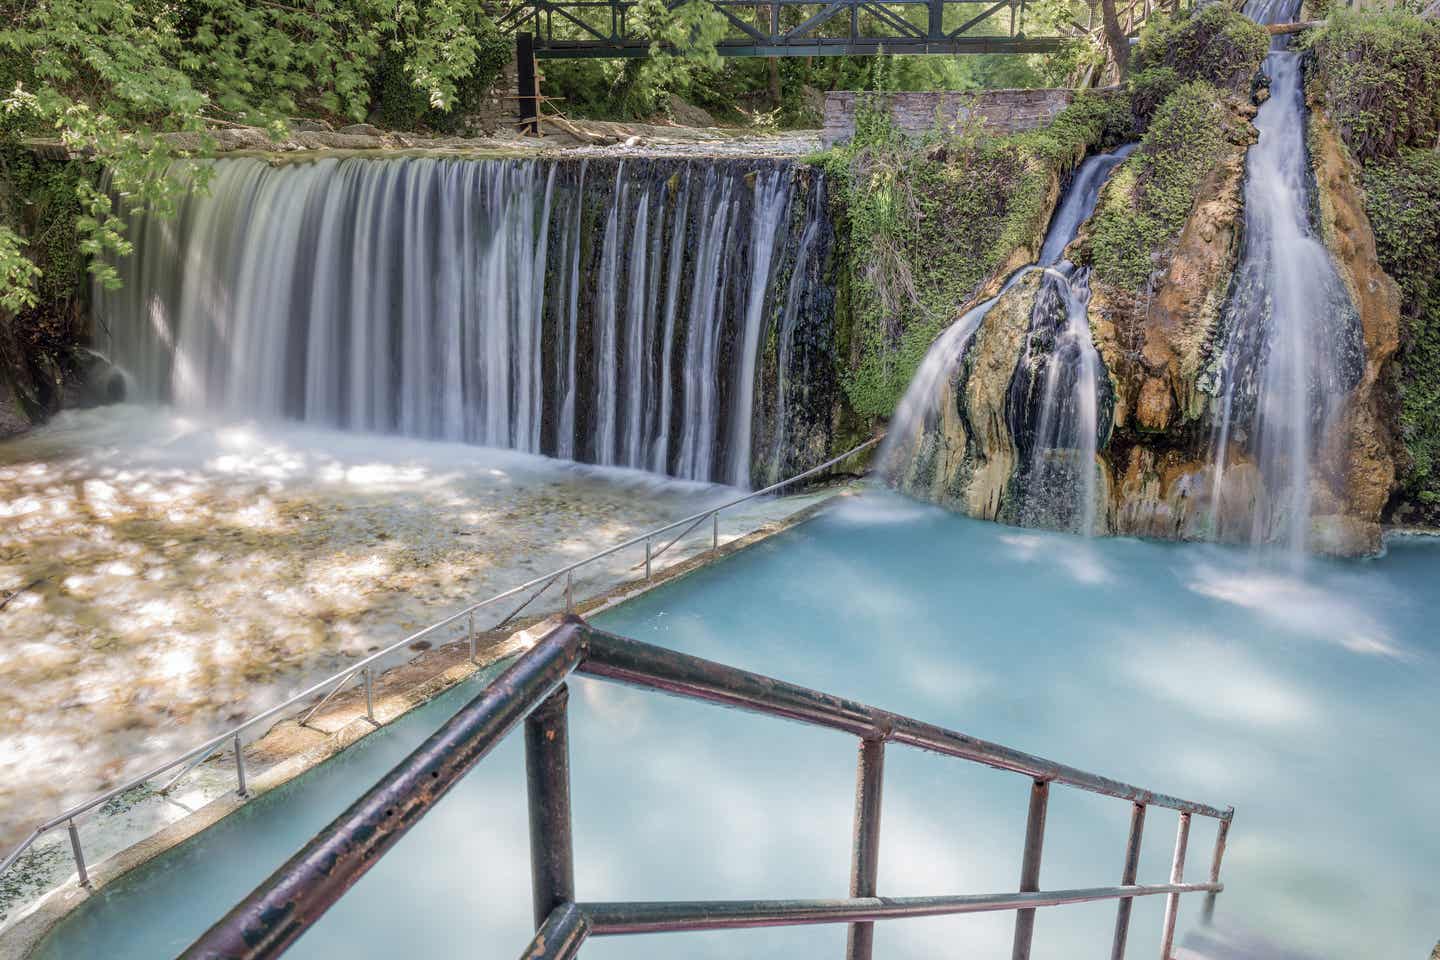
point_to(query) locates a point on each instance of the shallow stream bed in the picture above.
(164, 576)
(1306, 701)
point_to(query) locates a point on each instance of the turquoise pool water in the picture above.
(1305, 701)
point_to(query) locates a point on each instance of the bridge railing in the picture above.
(655, 543)
(779, 28)
(533, 690)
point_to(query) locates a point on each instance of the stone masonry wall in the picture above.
(1001, 111)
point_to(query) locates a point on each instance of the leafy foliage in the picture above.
(107, 77)
(1214, 44)
(1379, 76)
(1402, 198)
(928, 225)
(1147, 200)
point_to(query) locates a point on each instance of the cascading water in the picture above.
(1293, 346)
(1054, 395)
(1056, 391)
(607, 311)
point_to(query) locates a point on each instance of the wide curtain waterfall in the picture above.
(612, 311)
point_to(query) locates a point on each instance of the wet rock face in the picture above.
(1364, 445)
(1162, 471)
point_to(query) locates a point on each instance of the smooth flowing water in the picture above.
(1293, 345)
(1307, 702)
(1054, 394)
(611, 312)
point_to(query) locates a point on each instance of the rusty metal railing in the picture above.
(533, 689)
(183, 764)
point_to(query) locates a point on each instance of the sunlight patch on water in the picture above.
(1297, 606)
(1216, 681)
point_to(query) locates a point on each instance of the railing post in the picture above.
(865, 858)
(240, 766)
(1221, 833)
(79, 855)
(1030, 866)
(470, 629)
(1177, 874)
(647, 558)
(1127, 878)
(569, 591)
(547, 771)
(369, 696)
(715, 532)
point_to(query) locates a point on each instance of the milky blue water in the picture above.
(1307, 702)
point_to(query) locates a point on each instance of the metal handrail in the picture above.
(339, 679)
(268, 921)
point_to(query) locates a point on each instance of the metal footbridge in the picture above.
(787, 28)
(532, 693)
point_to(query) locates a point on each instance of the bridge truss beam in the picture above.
(790, 28)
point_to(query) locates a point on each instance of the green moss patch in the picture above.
(1379, 77)
(1145, 204)
(927, 224)
(1213, 44)
(1402, 198)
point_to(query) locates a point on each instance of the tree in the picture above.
(109, 78)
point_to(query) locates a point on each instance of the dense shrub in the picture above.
(399, 103)
(1402, 197)
(929, 223)
(1379, 77)
(1145, 204)
(1214, 44)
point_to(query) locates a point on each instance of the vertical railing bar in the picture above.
(715, 532)
(240, 767)
(1172, 900)
(370, 696)
(79, 855)
(1030, 866)
(1127, 878)
(865, 856)
(1221, 833)
(647, 558)
(547, 773)
(569, 591)
(470, 629)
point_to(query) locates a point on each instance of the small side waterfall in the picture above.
(1054, 396)
(1056, 392)
(1293, 346)
(611, 311)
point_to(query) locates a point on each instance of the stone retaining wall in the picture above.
(1001, 111)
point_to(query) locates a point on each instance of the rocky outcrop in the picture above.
(1156, 345)
(1364, 444)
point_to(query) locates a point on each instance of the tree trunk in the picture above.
(775, 82)
(1115, 38)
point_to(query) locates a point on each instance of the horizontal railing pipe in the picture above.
(610, 919)
(296, 895)
(670, 671)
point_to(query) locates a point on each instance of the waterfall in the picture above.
(1052, 405)
(1056, 427)
(616, 312)
(1292, 347)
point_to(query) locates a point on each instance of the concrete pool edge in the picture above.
(293, 751)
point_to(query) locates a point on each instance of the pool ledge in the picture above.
(288, 750)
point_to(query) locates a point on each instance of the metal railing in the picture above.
(365, 668)
(296, 895)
